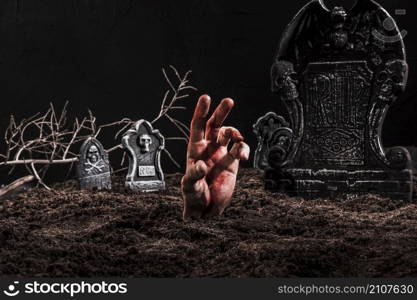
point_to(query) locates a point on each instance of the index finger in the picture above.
(216, 120)
(199, 119)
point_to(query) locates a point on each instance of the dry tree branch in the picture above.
(169, 104)
(15, 184)
(172, 158)
(46, 139)
(176, 92)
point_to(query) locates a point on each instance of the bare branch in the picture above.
(38, 178)
(176, 94)
(15, 184)
(46, 139)
(172, 158)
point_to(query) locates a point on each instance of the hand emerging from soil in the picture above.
(210, 178)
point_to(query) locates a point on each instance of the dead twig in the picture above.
(46, 139)
(176, 92)
(15, 184)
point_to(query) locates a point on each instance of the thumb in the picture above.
(194, 173)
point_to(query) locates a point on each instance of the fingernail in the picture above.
(205, 97)
(229, 102)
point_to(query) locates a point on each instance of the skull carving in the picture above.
(93, 154)
(144, 142)
(338, 15)
(391, 81)
(284, 80)
(339, 36)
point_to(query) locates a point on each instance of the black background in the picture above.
(107, 55)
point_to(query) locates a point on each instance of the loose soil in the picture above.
(68, 232)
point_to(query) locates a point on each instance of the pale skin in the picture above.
(213, 155)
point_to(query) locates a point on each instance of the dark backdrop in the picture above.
(106, 55)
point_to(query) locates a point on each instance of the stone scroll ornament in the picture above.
(271, 131)
(93, 168)
(337, 72)
(144, 145)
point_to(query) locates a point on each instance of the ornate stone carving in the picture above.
(271, 131)
(337, 72)
(336, 104)
(144, 145)
(93, 168)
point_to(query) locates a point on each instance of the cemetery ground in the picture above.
(68, 232)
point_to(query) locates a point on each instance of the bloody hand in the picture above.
(210, 178)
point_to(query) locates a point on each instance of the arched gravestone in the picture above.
(93, 167)
(338, 71)
(144, 145)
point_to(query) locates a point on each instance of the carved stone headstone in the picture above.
(270, 130)
(338, 71)
(93, 168)
(144, 145)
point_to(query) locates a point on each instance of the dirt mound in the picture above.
(67, 232)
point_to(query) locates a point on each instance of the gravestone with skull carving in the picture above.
(338, 71)
(144, 145)
(93, 168)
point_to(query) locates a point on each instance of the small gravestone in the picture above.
(271, 130)
(144, 145)
(93, 168)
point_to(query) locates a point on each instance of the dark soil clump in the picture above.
(67, 232)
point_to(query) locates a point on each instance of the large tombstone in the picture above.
(338, 71)
(93, 168)
(144, 145)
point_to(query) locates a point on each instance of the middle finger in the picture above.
(216, 120)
